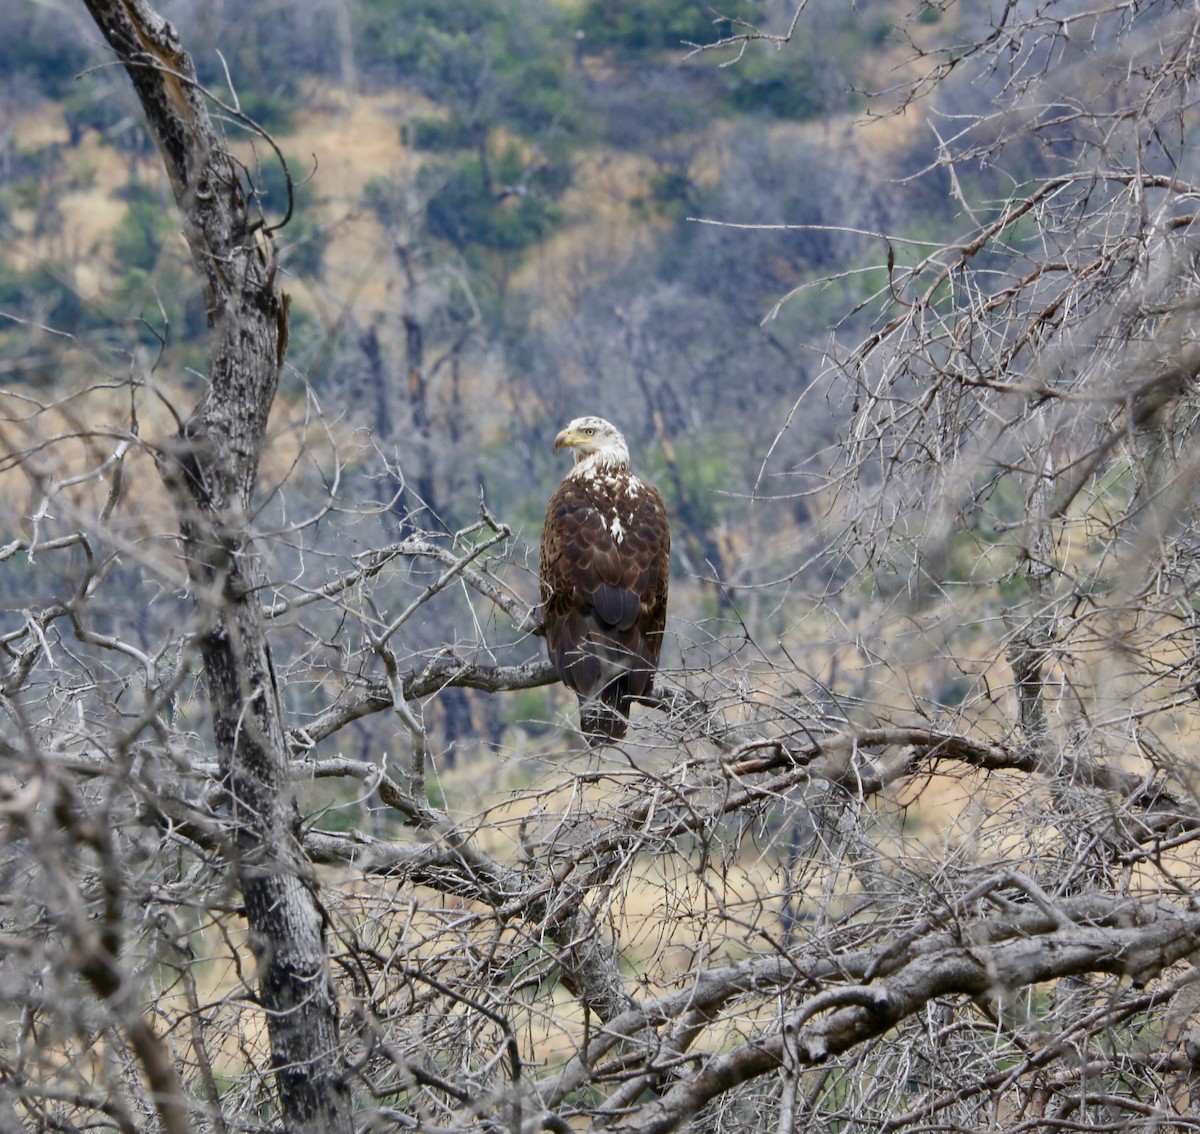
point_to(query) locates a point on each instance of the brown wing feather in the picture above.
(604, 600)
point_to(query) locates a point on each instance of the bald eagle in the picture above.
(606, 549)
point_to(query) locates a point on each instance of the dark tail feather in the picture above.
(604, 721)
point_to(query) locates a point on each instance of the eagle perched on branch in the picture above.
(606, 550)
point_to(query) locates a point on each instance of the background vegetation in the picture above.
(894, 302)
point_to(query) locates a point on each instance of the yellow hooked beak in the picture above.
(568, 438)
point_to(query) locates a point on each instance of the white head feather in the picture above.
(598, 445)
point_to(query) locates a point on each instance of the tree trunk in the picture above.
(210, 468)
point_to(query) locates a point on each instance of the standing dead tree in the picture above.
(210, 468)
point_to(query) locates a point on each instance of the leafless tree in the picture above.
(912, 847)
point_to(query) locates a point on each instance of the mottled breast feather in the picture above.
(606, 549)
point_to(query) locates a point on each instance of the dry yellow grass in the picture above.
(353, 140)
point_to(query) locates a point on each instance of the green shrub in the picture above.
(140, 234)
(46, 293)
(642, 25)
(467, 210)
(437, 135)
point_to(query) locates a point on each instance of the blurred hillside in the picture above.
(496, 226)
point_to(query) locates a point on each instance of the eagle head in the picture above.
(594, 440)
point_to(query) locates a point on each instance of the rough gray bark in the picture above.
(210, 468)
